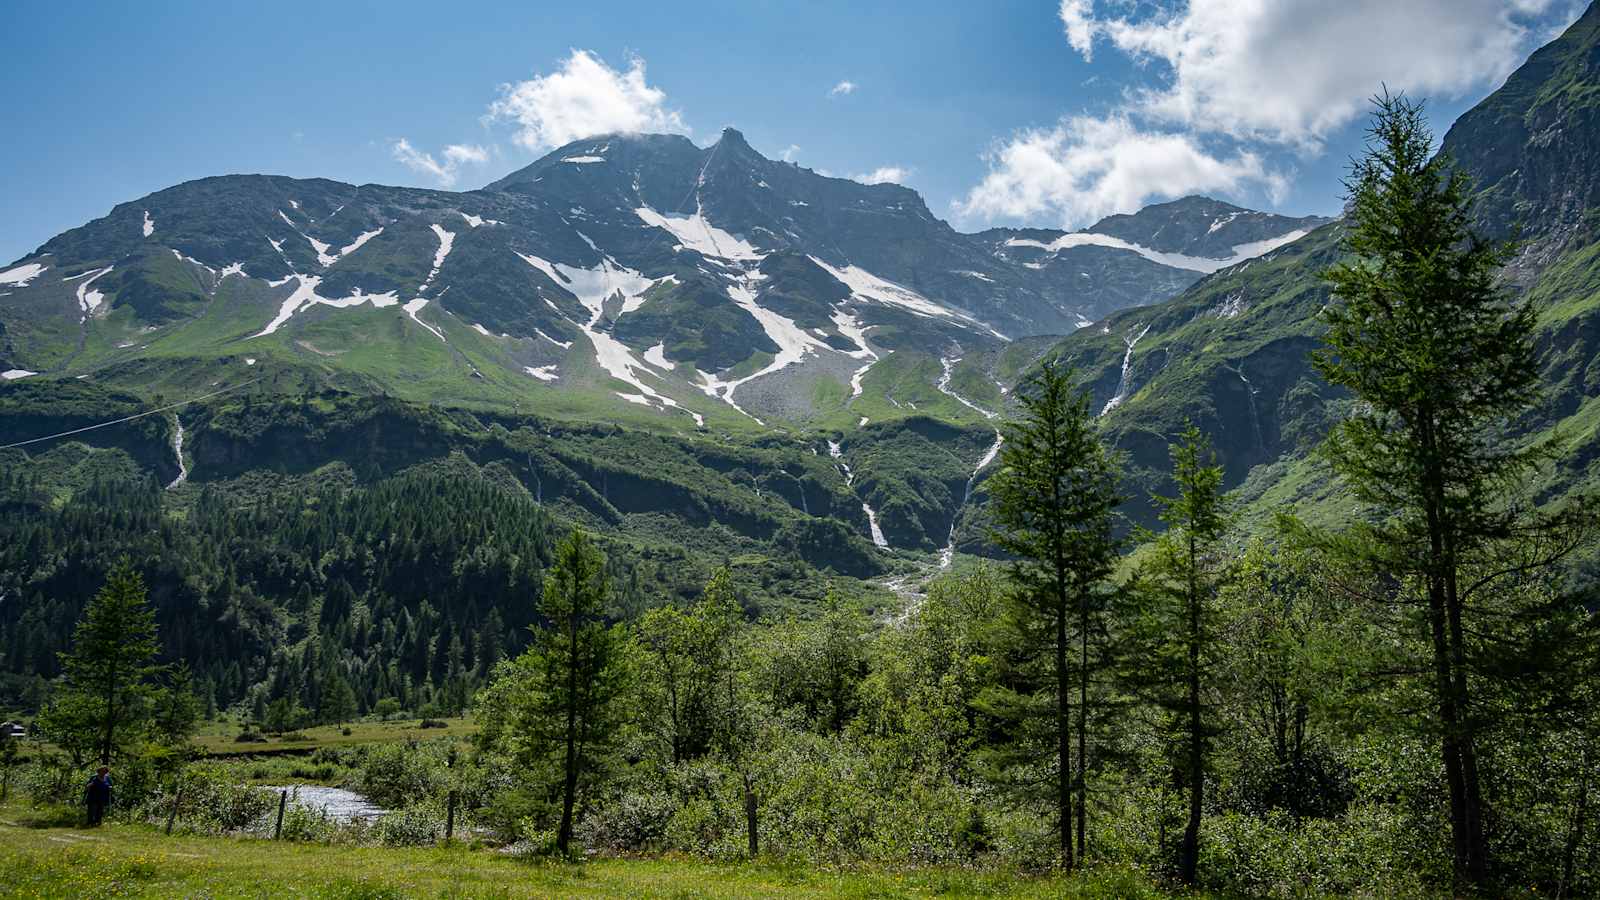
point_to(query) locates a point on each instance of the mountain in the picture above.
(1230, 353)
(666, 283)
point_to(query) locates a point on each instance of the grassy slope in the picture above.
(41, 858)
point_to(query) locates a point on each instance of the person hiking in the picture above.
(98, 795)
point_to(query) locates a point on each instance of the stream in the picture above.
(339, 804)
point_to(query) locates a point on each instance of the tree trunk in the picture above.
(1080, 777)
(1189, 856)
(570, 789)
(752, 833)
(1477, 846)
(1063, 734)
(1580, 818)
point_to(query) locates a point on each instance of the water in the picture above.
(177, 450)
(340, 805)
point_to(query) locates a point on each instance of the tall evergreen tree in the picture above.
(109, 675)
(1177, 626)
(1440, 358)
(1055, 499)
(581, 666)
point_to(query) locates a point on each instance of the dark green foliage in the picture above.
(1176, 644)
(1054, 503)
(109, 676)
(1440, 358)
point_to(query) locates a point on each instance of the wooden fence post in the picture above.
(177, 798)
(450, 819)
(283, 800)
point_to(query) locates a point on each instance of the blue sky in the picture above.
(1047, 113)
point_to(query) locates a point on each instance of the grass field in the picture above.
(217, 738)
(39, 857)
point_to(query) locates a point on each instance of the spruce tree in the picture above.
(1055, 498)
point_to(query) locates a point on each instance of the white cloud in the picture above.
(842, 88)
(444, 169)
(1086, 168)
(789, 152)
(583, 98)
(1292, 71)
(1235, 81)
(884, 175)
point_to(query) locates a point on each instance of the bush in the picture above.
(433, 723)
(294, 736)
(214, 801)
(414, 826)
(250, 737)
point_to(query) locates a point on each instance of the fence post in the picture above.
(177, 798)
(283, 800)
(450, 819)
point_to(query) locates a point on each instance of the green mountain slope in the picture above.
(1231, 352)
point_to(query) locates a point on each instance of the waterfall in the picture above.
(1250, 398)
(878, 539)
(948, 553)
(1124, 385)
(177, 450)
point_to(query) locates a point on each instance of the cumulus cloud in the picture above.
(443, 169)
(842, 88)
(884, 175)
(1291, 71)
(583, 98)
(1087, 168)
(1233, 82)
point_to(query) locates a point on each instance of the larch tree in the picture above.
(1440, 358)
(1055, 499)
(110, 676)
(1176, 629)
(580, 668)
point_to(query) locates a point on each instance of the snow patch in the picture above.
(867, 286)
(794, 343)
(14, 374)
(90, 300)
(657, 356)
(447, 240)
(583, 160)
(305, 295)
(543, 373)
(1205, 264)
(250, 360)
(413, 307)
(355, 245)
(593, 287)
(149, 224)
(565, 345)
(476, 221)
(697, 233)
(21, 275)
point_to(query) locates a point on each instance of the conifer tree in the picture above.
(109, 675)
(1176, 630)
(1439, 357)
(581, 668)
(1055, 499)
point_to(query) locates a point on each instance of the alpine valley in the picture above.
(702, 354)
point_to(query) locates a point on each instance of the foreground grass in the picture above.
(41, 858)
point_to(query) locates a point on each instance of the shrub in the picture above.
(433, 723)
(250, 737)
